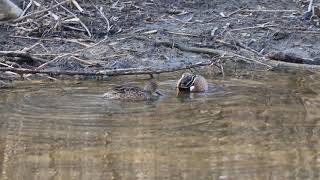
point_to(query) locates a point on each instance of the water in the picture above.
(259, 126)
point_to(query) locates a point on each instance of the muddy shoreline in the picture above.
(101, 38)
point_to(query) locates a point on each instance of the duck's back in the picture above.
(127, 93)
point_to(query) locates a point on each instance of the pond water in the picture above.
(261, 126)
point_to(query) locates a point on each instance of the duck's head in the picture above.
(192, 83)
(152, 88)
(186, 82)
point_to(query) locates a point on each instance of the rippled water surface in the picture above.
(262, 126)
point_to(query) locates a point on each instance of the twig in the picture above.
(182, 34)
(150, 32)
(103, 16)
(40, 12)
(253, 27)
(268, 10)
(28, 6)
(4, 64)
(241, 45)
(234, 12)
(78, 19)
(27, 49)
(84, 61)
(76, 4)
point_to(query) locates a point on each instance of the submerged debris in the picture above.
(6, 85)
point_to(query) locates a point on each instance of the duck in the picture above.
(192, 83)
(134, 93)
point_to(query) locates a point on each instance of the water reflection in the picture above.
(253, 127)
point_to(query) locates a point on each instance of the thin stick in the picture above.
(28, 6)
(83, 61)
(269, 10)
(4, 64)
(103, 15)
(74, 15)
(253, 27)
(40, 12)
(234, 12)
(182, 34)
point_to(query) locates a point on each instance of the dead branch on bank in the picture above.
(290, 58)
(22, 54)
(115, 72)
(292, 66)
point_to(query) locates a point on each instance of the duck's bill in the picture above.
(159, 93)
(183, 88)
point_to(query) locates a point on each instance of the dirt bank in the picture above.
(101, 37)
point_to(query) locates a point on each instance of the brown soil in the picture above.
(219, 24)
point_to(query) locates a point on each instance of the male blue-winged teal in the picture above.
(192, 83)
(129, 92)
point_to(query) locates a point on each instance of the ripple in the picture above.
(238, 123)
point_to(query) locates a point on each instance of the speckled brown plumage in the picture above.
(128, 92)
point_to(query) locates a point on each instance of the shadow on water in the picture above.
(259, 127)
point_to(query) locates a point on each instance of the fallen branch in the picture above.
(116, 72)
(290, 57)
(21, 54)
(292, 66)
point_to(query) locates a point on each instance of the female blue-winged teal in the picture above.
(128, 92)
(192, 83)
